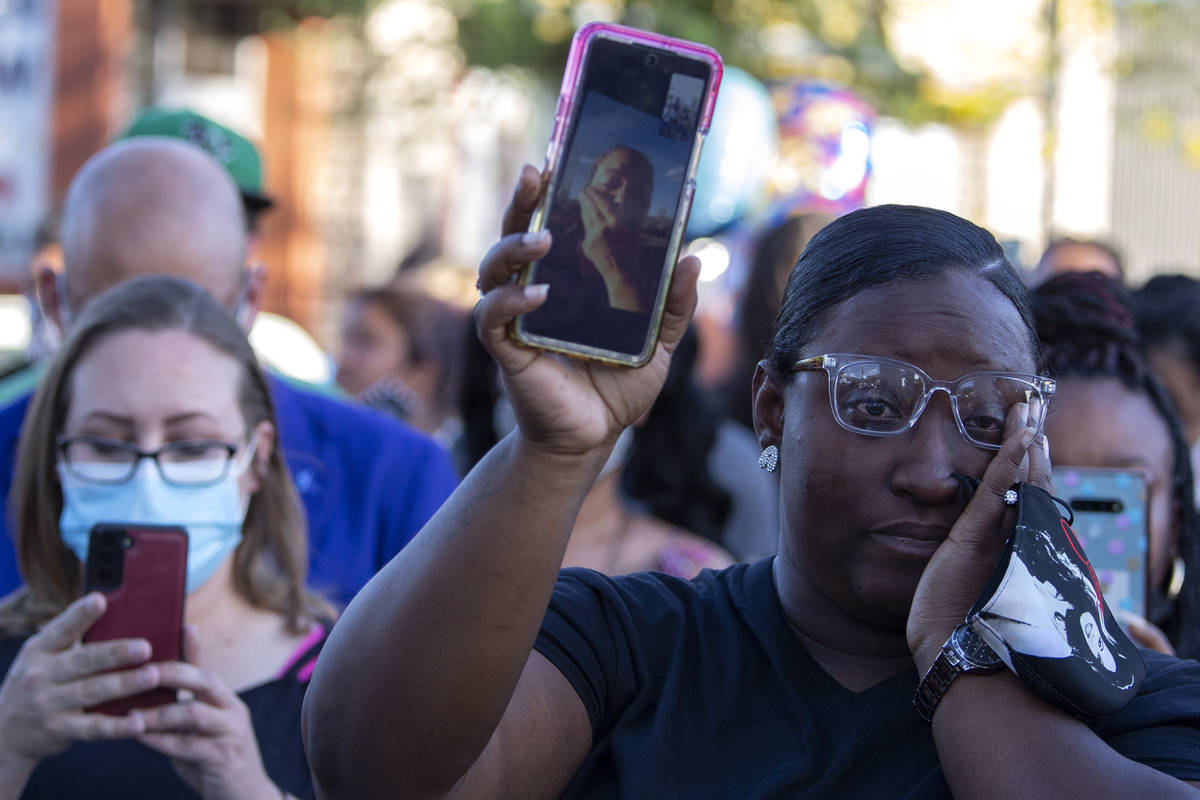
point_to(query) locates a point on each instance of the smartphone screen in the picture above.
(617, 194)
(1110, 520)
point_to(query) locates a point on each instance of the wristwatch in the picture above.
(964, 651)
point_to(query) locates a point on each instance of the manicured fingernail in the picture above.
(535, 237)
(139, 650)
(536, 291)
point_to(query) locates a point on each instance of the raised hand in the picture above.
(599, 213)
(961, 566)
(566, 406)
(612, 249)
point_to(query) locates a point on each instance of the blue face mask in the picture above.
(211, 514)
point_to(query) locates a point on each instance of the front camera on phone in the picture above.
(651, 60)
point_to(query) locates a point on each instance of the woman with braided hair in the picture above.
(1111, 410)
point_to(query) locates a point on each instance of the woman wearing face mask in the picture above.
(155, 412)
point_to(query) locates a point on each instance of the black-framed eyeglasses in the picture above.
(885, 397)
(96, 459)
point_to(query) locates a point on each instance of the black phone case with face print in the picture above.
(1044, 614)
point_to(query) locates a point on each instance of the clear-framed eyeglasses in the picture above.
(884, 397)
(96, 459)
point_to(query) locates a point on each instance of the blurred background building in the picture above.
(391, 130)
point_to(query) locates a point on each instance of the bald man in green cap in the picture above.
(159, 205)
(231, 150)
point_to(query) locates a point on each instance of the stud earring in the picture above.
(769, 459)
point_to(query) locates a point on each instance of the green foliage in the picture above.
(843, 41)
(244, 17)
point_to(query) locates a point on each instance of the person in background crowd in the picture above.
(282, 345)
(155, 411)
(391, 358)
(484, 410)
(1076, 255)
(152, 205)
(754, 524)
(1167, 308)
(1110, 410)
(471, 668)
(19, 375)
(774, 256)
(231, 150)
(654, 505)
(47, 255)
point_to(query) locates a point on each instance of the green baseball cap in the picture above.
(234, 152)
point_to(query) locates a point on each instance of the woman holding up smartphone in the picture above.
(470, 668)
(155, 412)
(1111, 411)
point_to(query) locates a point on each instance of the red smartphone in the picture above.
(142, 572)
(632, 114)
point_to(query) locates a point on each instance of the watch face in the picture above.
(975, 649)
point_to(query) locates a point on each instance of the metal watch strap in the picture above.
(949, 664)
(943, 671)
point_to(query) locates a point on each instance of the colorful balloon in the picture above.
(738, 157)
(824, 149)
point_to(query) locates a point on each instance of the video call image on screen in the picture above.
(617, 193)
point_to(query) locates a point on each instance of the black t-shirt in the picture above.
(121, 770)
(700, 689)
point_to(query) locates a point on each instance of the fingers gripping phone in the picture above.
(633, 112)
(142, 572)
(1110, 508)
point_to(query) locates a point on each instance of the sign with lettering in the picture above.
(27, 36)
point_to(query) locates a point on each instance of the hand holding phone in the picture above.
(142, 572)
(565, 406)
(210, 737)
(41, 697)
(633, 112)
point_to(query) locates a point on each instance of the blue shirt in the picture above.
(368, 483)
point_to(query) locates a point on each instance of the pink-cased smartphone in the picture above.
(142, 572)
(632, 115)
(1111, 522)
